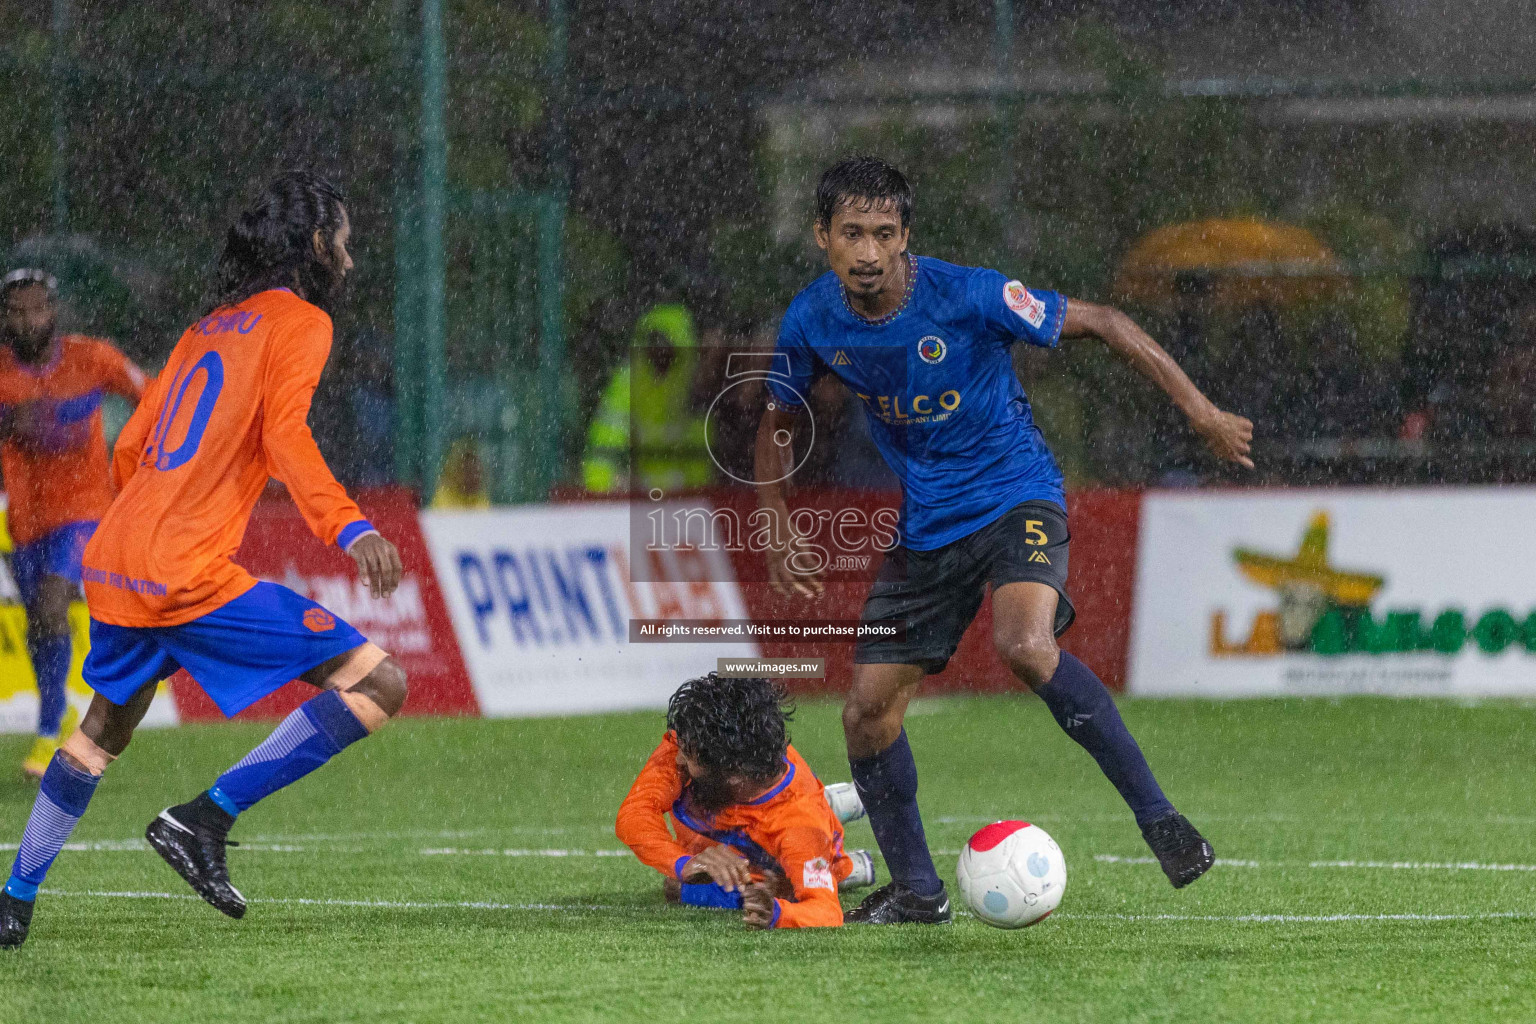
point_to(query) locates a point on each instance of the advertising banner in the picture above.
(542, 598)
(1408, 592)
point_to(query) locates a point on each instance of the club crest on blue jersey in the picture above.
(1023, 302)
(931, 349)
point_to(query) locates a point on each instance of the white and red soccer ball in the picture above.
(1012, 874)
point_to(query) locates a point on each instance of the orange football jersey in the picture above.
(53, 453)
(229, 410)
(789, 831)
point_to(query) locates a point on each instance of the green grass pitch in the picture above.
(1377, 866)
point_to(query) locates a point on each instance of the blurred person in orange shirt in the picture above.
(229, 410)
(54, 457)
(753, 829)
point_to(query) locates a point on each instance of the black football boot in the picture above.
(1180, 848)
(196, 853)
(15, 920)
(894, 903)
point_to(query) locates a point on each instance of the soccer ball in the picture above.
(1012, 874)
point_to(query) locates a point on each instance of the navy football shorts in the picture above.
(937, 593)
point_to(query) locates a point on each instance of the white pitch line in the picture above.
(1376, 865)
(1221, 862)
(307, 902)
(139, 846)
(454, 851)
(1266, 818)
(1511, 915)
(1399, 865)
(420, 834)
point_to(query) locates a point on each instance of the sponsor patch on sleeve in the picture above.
(818, 875)
(1024, 303)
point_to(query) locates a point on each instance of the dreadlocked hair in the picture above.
(271, 245)
(732, 725)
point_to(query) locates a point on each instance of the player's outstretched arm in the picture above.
(641, 824)
(1227, 435)
(292, 373)
(120, 375)
(773, 460)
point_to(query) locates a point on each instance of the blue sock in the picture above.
(887, 783)
(61, 800)
(305, 740)
(50, 663)
(1085, 710)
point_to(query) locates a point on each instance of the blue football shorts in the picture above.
(56, 553)
(238, 653)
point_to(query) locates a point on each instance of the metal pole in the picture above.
(59, 72)
(434, 215)
(1001, 111)
(1002, 36)
(551, 248)
(559, 41)
(551, 340)
(408, 373)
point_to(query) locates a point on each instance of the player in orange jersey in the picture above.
(753, 827)
(228, 410)
(55, 462)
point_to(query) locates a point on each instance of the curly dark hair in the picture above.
(731, 725)
(271, 245)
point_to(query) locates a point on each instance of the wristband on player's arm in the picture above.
(354, 532)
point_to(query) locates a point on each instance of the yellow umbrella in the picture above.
(1246, 262)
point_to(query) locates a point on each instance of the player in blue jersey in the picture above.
(926, 346)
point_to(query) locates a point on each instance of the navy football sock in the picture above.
(887, 783)
(305, 740)
(61, 800)
(1087, 713)
(50, 663)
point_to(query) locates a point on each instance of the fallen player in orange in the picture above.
(754, 828)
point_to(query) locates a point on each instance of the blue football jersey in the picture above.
(937, 382)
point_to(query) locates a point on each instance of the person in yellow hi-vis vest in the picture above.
(462, 482)
(654, 390)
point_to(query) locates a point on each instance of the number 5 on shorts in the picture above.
(1033, 534)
